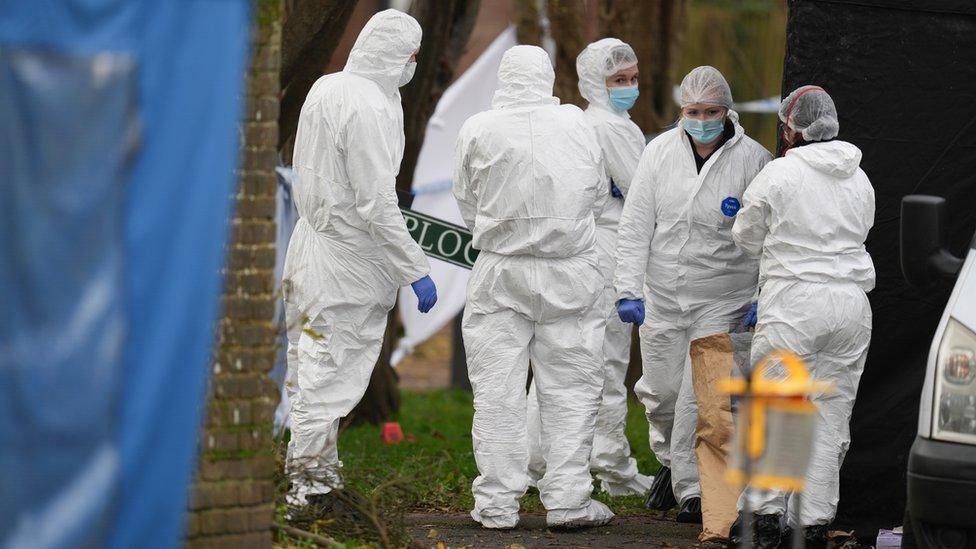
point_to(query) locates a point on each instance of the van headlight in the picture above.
(955, 388)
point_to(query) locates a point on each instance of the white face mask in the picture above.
(407, 73)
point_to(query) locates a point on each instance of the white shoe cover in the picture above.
(297, 496)
(594, 514)
(637, 486)
(499, 522)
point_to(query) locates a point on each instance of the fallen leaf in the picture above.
(432, 534)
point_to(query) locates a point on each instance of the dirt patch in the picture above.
(458, 530)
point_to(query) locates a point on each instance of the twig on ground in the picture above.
(319, 539)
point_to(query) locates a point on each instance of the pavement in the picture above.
(458, 530)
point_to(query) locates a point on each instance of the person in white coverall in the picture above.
(806, 216)
(676, 259)
(529, 182)
(607, 71)
(350, 250)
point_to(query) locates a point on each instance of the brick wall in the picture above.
(232, 500)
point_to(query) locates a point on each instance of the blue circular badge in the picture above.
(730, 206)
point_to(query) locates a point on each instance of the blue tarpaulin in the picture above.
(119, 142)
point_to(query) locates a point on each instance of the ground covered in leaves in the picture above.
(418, 492)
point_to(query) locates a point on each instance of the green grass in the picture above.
(436, 462)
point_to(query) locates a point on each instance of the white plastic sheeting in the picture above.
(468, 95)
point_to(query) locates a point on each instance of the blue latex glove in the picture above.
(631, 311)
(426, 293)
(615, 191)
(752, 316)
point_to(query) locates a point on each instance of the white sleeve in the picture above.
(635, 232)
(622, 147)
(372, 176)
(464, 191)
(752, 222)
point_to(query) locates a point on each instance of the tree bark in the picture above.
(382, 397)
(528, 29)
(310, 33)
(568, 29)
(654, 28)
(447, 25)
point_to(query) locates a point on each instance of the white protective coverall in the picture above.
(529, 183)
(621, 143)
(350, 250)
(807, 216)
(675, 251)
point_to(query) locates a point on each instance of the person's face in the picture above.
(703, 112)
(623, 78)
(790, 135)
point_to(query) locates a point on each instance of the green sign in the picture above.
(445, 241)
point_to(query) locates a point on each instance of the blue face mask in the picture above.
(623, 99)
(704, 131)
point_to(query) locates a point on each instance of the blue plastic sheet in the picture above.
(119, 141)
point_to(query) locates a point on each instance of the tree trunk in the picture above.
(568, 29)
(528, 29)
(310, 33)
(447, 25)
(382, 397)
(654, 29)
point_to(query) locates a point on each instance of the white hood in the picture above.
(835, 158)
(525, 77)
(591, 70)
(383, 48)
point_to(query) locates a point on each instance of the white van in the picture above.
(942, 464)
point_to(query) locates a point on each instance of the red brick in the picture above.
(258, 467)
(258, 183)
(260, 518)
(233, 541)
(229, 413)
(252, 257)
(193, 525)
(248, 334)
(258, 307)
(260, 207)
(255, 231)
(259, 282)
(263, 83)
(260, 156)
(262, 108)
(256, 133)
(256, 492)
(263, 410)
(246, 359)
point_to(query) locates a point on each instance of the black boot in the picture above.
(765, 532)
(815, 537)
(661, 495)
(690, 512)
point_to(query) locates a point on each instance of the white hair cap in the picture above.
(705, 85)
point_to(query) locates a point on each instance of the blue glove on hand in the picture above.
(631, 311)
(752, 316)
(426, 293)
(615, 191)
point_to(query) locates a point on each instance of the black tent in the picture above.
(903, 76)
